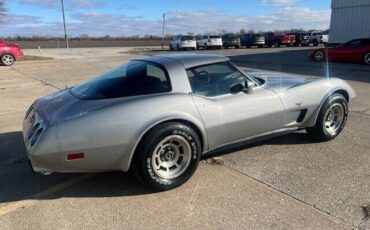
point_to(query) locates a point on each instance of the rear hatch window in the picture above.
(131, 79)
(188, 38)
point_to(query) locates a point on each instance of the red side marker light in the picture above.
(75, 156)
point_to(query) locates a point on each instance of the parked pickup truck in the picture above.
(276, 40)
(319, 37)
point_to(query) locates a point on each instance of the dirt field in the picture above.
(87, 43)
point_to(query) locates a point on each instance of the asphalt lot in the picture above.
(289, 182)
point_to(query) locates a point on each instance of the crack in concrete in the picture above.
(295, 198)
(361, 112)
(35, 78)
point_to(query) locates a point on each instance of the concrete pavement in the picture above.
(288, 182)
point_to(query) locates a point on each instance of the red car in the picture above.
(356, 50)
(9, 53)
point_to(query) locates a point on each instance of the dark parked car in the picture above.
(249, 40)
(230, 40)
(301, 39)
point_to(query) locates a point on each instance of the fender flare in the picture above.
(125, 162)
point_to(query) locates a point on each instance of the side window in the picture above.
(157, 80)
(205, 37)
(215, 79)
(155, 71)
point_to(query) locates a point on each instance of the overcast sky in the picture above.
(140, 17)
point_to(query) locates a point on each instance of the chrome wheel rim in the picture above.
(319, 56)
(7, 59)
(334, 117)
(171, 157)
(367, 59)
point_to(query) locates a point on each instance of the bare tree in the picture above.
(2, 11)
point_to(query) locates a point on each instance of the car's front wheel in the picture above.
(7, 59)
(367, 58)
(167, 156)
(331, 118)
(319, 56)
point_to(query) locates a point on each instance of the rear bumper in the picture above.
(259, 43)
(287, 42)
(188, 45)
(41, 142)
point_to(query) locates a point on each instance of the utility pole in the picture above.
(163, 31)
(64, 24)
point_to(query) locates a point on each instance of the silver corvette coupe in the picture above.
(158, 114)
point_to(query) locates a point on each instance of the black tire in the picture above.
(143, 159)
(366, 58)
(171, 48)
(7, 59)
(197, 46)
(236, 47)
(205, 46)
(320, 130)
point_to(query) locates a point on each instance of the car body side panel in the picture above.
(307, 95)
(233, 117)
(108, 137)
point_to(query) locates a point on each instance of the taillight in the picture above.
(75, 156)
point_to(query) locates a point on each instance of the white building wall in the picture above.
(349, 19)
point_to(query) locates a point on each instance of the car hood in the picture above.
(279, 82)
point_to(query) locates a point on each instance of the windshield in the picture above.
(214, 36)
(131, 79)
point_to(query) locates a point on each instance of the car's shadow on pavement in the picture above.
(297, 138)
(19, 182)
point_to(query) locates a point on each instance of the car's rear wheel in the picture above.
(171, 48)
(331, 119)
(167, 156)
(7, 59)
(319, 56)
(178, 47)
(367, 58)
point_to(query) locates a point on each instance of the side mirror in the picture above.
(235, 89)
